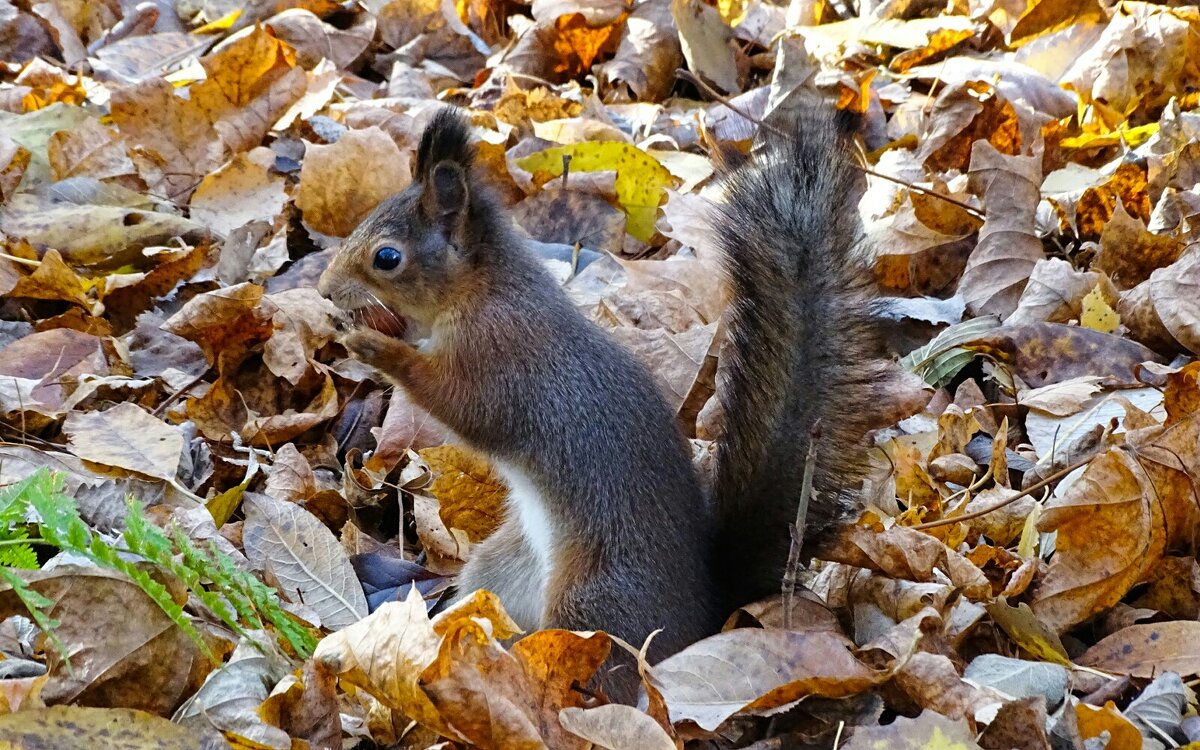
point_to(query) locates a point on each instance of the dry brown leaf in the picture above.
(1056, 293)
(616, 727)
(649, 53)
(78, 726)
(299, 552)
(931, 682)
(1008, 248)
(969, 113)
(751, 672)
(1135, 506)
(1129, 253)
(91, 150)
(127, 437)
(55, 280)
(274, 429)
(500, 699)
(1148, 650)
(241, 191)
(216, 319)
(137, 658)
(471, 496)
(315, 40)
(1164, 309)
(1098, 204)
(304, 322)
(1144, 57)
(341, 183)
(1045, 353)
(385, 653)
(1018, 725)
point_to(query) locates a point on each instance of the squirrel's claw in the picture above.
(370, 346)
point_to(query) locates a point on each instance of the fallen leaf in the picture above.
(1008, 248)
(142, 661)
(751, 671)
(342, 182)
(128, 437)
(616, 727)
(77, 726)
(304, 556)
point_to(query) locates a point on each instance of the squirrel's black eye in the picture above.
(387, 258)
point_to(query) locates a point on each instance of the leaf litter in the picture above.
(173, 177)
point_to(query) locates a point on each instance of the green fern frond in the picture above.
(15, 549)
(237, 597)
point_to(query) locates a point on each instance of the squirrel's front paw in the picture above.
(371, 346)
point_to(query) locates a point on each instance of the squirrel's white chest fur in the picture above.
(527, 504)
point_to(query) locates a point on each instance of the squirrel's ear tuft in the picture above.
(446, 138)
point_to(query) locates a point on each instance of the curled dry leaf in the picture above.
(1165, 308)
(1008, 248)
(616, 727)
(315, 40)
(303, 322)
(386, 652)
(648, 55)
(230, 699)
(931, 681)
(469, 494)
(755, 672)
(1140, 502)
(298, 551)
(512, 699)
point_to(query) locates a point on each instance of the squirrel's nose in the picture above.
(327, 284)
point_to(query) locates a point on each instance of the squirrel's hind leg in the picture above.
(506, 565)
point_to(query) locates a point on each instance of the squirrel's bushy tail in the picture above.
(801, 342)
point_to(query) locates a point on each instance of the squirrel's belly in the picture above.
(527, 504)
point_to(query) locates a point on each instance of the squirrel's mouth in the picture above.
(381, 319)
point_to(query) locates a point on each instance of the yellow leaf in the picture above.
(1097, 313)
(222, 506)
(224, 23)
(470, 495)
(641, 180)
(1023, 626)
(1133, 137)
(732, 12)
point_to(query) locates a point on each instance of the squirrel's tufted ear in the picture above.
(446, 138)
(444, 195)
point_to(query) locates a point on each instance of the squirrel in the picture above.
(607, 526)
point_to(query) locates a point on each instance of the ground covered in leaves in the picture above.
(216, 530)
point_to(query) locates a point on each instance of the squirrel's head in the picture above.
(409, 260)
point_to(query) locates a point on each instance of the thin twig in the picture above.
(791, 573)
(687, 75)
(162, 408)
(1008, 501)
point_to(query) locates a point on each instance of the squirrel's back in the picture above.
(801, 342)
